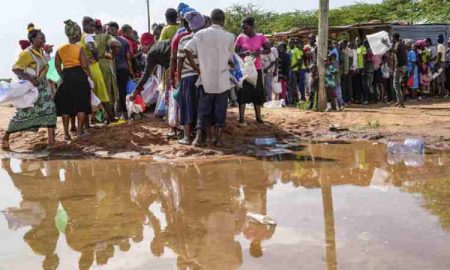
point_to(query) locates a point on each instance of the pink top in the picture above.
(252, 44)
(376, 60)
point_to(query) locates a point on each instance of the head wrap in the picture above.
(195, 19)
(24, 44)
(72, 29)
(183, 9)
(98, 23)
(147, 39)
(30, 28)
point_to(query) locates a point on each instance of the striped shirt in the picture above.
(187, 70)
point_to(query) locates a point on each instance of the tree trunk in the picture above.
(322, 51)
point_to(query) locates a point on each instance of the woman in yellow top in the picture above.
(73, 96)
(32, 66)
(88, 44)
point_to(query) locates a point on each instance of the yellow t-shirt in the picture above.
(361, 53)
(26, 62)
(168, 32)
(70, 55)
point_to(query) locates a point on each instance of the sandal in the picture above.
(184, 142)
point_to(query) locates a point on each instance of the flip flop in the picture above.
(184, 142)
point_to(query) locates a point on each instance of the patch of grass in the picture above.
(302, 105)
(373, 124)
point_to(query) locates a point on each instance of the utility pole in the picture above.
(322, 51)
(148, 16)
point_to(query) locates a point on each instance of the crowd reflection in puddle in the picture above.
(105, 206)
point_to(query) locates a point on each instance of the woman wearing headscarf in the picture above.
(31, 66)
(88, 43)
(73, 96)
(24, 44)
(413, 69)
(104, 44)
(188, 76)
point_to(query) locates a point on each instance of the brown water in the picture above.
(339, 206)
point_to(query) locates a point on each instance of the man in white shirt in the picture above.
(214, 47)
(440, 66)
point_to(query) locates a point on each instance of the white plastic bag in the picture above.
(376, 42)
(276, 86)
(150, 93)
(95, 102)
(22, 94)
(237, 76)
(275, 104)
(249, 71)
(173, 111)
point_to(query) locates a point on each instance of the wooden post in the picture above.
(322, 51)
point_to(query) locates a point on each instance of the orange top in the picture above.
(70, 55)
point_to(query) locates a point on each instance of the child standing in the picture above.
(314, 86)
(385, 78)
(330, 84)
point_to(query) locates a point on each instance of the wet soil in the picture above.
(428, 119)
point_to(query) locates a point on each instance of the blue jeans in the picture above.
(301, 83)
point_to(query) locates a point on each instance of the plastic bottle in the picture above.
(414, 145)
(265, 141)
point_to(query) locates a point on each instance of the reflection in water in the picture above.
(205, 208)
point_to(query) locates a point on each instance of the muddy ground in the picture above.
(429, 119)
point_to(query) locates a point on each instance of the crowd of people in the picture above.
(192, 55)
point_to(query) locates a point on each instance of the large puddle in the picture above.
(337, 206)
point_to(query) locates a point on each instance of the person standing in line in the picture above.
(270, 69)
(284, 69)
(31, 66)
(187, 76)
(431, 52)
(413, 70)
(400, 62)
(369, 71)
(385, 78)
(314, 85)
(440, 67)
(353, 72)
(344, 69)
(123, 68)
(104, 44)
(169, 31)
(361, 76)
(73, 97)
(295, 66)
(447, 58)
(330, 82)
(214, 47)
(90, 47)
(301, 71)
(250, 43)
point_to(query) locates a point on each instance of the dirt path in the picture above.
(428, 119)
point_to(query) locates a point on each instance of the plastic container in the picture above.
(131, 85)
(266, 141)
(414, 145)
(395, 148)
